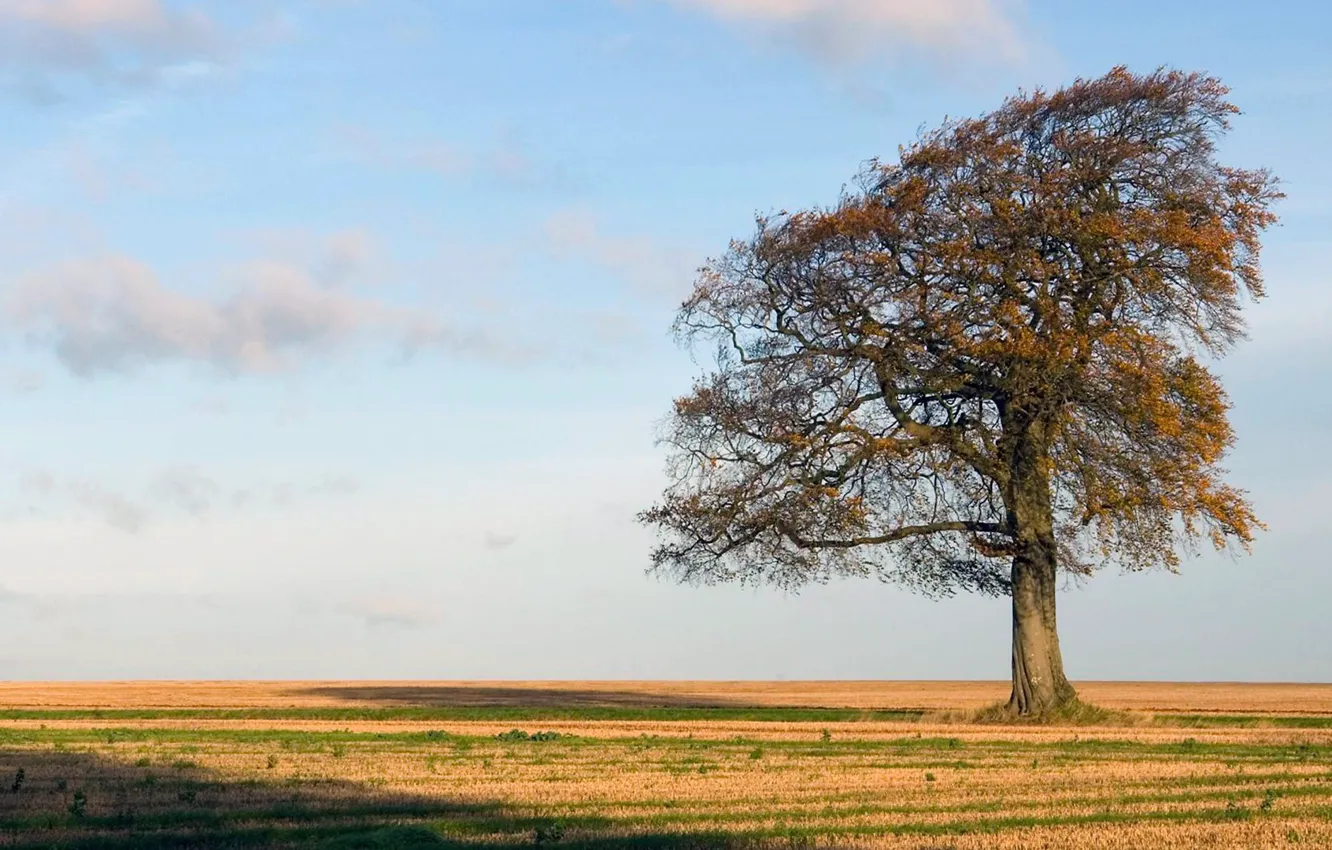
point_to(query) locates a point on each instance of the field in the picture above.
(668, 765)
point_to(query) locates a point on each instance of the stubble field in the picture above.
(639, 765)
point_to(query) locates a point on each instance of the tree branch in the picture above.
(897, 534)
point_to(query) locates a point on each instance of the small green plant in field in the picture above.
(272, 761)
(79, 804)
(520, 735)
(1292, 837)
(1269, 800)
(18, 781)
(1235, 811)
(825, 736)
(437, 735)
(929, 777)
(143, 762)
(184, 764)
(756, 753)
(339, 750)
(548, 833)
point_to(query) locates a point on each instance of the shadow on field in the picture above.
(82, 801)
(470, 696)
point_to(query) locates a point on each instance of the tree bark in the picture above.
(1039, 683)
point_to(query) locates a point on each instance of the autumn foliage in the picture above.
(985, 365)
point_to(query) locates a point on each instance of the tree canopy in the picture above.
(987, 363)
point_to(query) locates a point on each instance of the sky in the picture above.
(334, 335)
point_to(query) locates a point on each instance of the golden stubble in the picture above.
(1174, 697)
(865, 783)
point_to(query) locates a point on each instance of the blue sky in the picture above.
(333, 334)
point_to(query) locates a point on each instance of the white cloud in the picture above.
(85, 15)
(187, 489)
(337, 259)
(37, 482)
(113, 314)
(650, 267)
(117, 41)
(118, 511)
(844, 31)
(343, 255)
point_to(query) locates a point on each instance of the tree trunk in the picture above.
(1039, 684)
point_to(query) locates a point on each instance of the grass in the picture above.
(497, 714)
(1080, 714)
(1073, 713)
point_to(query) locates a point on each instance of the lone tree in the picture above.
(981, 367)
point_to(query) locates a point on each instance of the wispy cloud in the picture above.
(45, 43)
(848, 31)
(506, 161)
(187, 489)
(97, 178)
(651, 267)
(341, 258)
(88, 497)
(114, 314)
(175, 491)
(20, 380)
